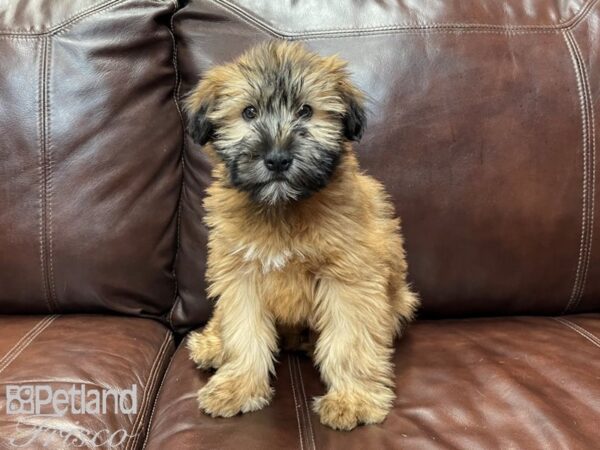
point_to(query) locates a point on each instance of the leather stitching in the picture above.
(296, 403)
(418, 31)
(153, 377)
(591, 167)
(584, 119)
(176, 92)
(260, 24)
(303, 412)
(306, 409)
(43, 124)
(301, 404)
(588, 189)
(42, 177)
(456, 28)
(48, 269)
(160, 388)
(25, 341)
(49, 182)
(579, 330)
(79, 15)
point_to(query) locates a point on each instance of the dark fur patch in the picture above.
(200, 128)
(355, 120)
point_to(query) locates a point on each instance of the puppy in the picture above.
(299, 236)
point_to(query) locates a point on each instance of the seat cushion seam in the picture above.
(137, 423)
(579, 330)
(301, 404)
(160, 388)
(306, 409)
(136, 429)
(296, 403)
(26, 336)
(152, 377)
(25, 341)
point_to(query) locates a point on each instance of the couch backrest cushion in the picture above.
(482, 127)
(90, 145)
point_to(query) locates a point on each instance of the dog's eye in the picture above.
(305, 112)
(249, 112)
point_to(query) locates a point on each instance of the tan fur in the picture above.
(334, 262)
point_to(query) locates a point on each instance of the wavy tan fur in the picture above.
(333, 261)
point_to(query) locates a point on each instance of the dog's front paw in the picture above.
(205, 349)
(344, 411)
(226, 397)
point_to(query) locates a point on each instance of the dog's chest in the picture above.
(268, 260)
(286, 282)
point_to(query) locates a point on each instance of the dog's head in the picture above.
(278, 117)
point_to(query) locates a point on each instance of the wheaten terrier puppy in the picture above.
(299, 236)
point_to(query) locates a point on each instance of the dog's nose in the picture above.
(278, 162)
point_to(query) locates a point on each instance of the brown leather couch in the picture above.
(484, 123)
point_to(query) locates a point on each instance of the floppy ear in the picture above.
(354, 118)
(198, 105)
(199, 127)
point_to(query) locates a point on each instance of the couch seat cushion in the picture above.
(103, 354)
(524, 382)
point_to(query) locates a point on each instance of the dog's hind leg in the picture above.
(404, 301)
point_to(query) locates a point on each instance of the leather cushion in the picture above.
(99, 352)
(524, 382)
(481, 126)
(90, 146)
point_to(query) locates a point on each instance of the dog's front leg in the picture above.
(356, 330)
(249, 340)
(205, 346)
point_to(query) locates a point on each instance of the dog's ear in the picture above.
(199, 127)
(199, 103)
(354, 118)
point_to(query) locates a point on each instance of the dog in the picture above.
(298, 236)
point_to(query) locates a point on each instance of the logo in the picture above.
(19, 399)
(43, 400)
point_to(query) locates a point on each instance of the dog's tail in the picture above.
(405, 304)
